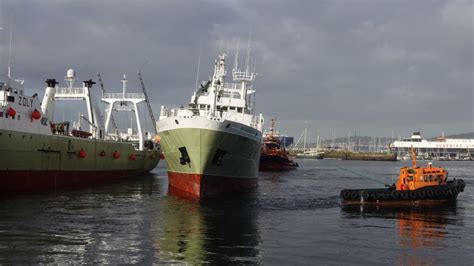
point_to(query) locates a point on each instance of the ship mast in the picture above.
(147, 100)
(245, 77)
(10, 50)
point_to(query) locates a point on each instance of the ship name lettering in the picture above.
(23, 101)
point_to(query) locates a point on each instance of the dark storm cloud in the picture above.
(341, 66)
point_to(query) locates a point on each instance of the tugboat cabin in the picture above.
(419, 177)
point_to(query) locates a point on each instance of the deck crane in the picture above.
(147, 102)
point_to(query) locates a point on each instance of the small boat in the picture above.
(274, 156)
(415, 186)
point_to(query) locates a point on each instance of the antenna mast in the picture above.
(199, 64)
(10, 53)
(147, 102)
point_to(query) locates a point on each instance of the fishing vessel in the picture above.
(274, 155)
(212, 146)
(38, 152)
(415, 186)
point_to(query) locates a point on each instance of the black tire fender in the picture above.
(394, 194)
(422, 194)
(354, 195)
(365, 195)
(345, 194)
(430, 193)
(375, 195)
(404, 194)
(413, 194)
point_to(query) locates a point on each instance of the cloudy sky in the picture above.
(364, 67)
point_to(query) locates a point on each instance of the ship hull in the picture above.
(430, 195)
(276, 163)
(210, 158)
(34, 162)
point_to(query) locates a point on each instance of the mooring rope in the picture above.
(362, 176)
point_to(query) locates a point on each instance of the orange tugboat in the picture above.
(274, 156)
(415, 186)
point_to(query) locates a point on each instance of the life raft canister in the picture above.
(35, 115)
(11, 112)
(116, 155)
(82, 153)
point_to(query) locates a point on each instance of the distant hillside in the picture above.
(462, 136)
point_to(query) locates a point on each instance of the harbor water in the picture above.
(292, 218)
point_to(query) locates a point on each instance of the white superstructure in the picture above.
(116, 102)
(218, 100)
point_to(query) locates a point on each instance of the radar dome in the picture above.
(70, 74)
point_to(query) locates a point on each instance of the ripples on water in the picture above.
(291, 218)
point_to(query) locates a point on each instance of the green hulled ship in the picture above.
(37, 153)
(212, 147)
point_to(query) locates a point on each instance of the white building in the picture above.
(441, 148)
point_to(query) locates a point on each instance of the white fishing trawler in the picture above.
(212, 146)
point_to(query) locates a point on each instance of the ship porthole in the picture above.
(176, 121)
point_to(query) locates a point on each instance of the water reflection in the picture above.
(216, 231)
(103, 225)
(418, 229)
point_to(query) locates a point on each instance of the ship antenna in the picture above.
(236, 63)
(10, 53)
(198, 66)
(247, 68)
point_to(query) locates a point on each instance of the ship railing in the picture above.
(232, 86)
(118, 95)
(70, 91)
(240, 75)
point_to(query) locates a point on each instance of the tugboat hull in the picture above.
(389, 196)
(276, 163)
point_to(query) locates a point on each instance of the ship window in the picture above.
(239, 110)
(11, 99)
(44, 121)
(18, 117)
(410, 178)
(1, 114)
